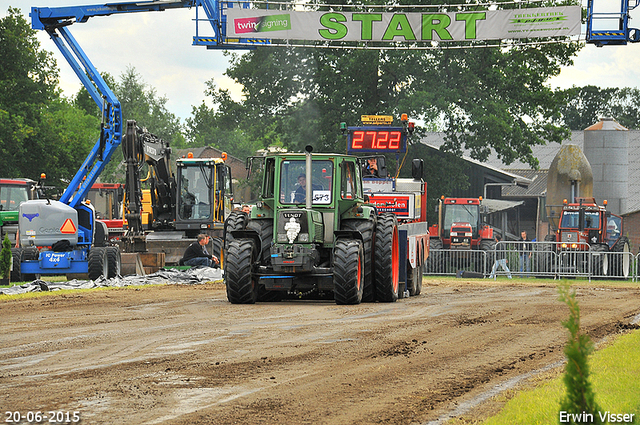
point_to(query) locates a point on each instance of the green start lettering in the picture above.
(437, 22)
(367, 20)
(470, 23)
(335, 30)
(399, 27)
(433, 24)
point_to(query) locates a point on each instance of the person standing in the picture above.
(196, 254)
(525, 253)
(501, 259)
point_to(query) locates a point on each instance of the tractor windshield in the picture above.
(461, 214)
(571, 219)
(293, 182)
(12, 196)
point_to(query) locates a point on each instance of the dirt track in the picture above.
(184, 355)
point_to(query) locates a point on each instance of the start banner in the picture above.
(404, 27)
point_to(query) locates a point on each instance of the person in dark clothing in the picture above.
(196, 254)
(371, 169)
(301, 192)
(525, 253)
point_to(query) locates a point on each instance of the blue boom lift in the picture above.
(64, 237)
(611, 27)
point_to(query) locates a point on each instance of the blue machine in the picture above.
(611, 27)
(63, 237)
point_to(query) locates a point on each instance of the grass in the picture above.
(615, 379)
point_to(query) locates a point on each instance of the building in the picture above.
(531, 214)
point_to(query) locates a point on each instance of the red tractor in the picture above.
(459, 228)
(586, 226)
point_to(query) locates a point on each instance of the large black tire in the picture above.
(114, 261)
(387, 261)
(238, 275)
(486, 260)
(598, 259)
(620, 264)
(414, 279)
(434, 263)
(348, 273)
(98, 263)
(30, 253)
(366, 229)
(100, 234)
(16, 257)
(216, 246)
(264, 228)
(237, 220)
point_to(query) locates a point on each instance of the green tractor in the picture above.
(329, 245)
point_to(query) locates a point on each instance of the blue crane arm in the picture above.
(56, 21)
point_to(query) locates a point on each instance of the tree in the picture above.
(481, 98)
(221, 127)
(585, 105)
(39, 130)
(140, 102)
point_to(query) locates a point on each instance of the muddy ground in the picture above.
(181, 354)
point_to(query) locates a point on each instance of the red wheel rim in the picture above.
(395, 258)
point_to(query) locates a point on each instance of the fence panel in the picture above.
(536, 259)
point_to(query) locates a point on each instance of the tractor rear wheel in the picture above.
(348, 273)
(434, 263)
(619, 263)
(387, 258)
(366, 229)
(486, 257)
(598, 259)
(238, 268)
(98, 263)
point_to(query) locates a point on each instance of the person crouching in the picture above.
(196, 254)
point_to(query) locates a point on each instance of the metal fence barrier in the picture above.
(535, 259)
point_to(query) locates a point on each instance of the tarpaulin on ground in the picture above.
(192, 276)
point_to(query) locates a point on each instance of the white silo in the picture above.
(606, 146)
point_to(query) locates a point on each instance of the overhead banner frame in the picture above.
(403, 27)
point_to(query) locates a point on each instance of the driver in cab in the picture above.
(301, 191)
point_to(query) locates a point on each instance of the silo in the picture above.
(569, 177)
(606, 146)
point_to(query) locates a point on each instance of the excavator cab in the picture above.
(205, 194)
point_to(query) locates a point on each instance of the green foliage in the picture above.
(139, 102)
(579, 397)
(39, 130)
(586, 105)
(5, 258)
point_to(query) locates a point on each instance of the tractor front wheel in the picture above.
(348, 273)
(238, 276)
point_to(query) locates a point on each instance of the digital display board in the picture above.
(376, 140)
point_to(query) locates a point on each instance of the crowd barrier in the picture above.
(536, 259)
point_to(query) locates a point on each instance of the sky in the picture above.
(158, 45)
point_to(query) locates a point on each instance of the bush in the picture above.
(5, 258)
